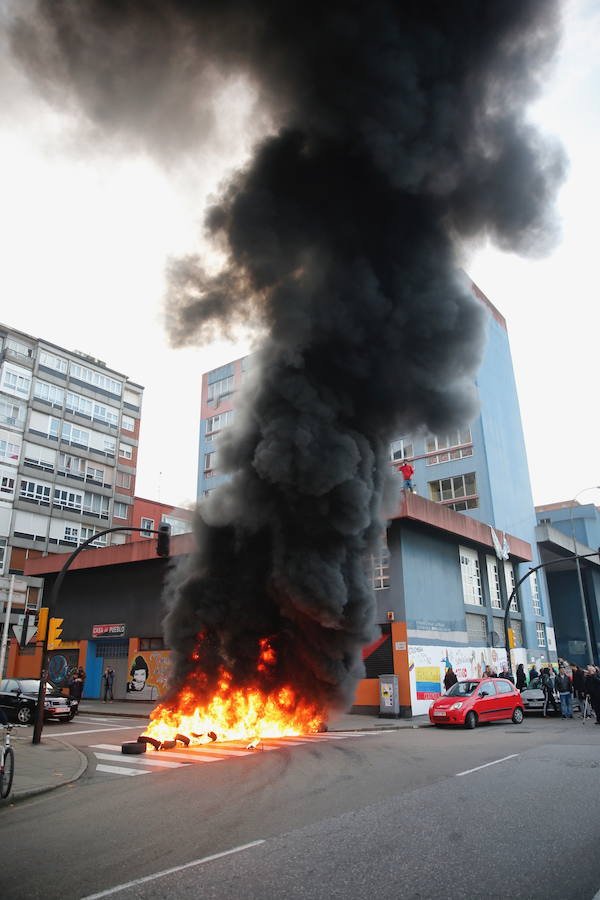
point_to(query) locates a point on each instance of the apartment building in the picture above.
(69, 428)
(149, 514)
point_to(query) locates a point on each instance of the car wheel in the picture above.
(470, 720)
(24, 715)
(517, 716)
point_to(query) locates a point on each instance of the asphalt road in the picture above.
(392, 815)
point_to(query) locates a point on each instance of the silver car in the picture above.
(533, 698)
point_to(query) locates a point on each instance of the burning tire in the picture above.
(133, 748)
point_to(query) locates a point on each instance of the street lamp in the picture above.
(586, 624)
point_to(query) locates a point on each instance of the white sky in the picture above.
(85, 235)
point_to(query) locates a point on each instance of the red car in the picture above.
(477, 700)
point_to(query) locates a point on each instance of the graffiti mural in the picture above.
(61, 664)
(148, 674)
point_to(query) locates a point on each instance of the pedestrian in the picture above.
(407, 473)
(549, 686)
(76, 684)
(533, 674)
(449, 678)
(592, 689)
(564, 687)
(504, 673)
(487, 672)
(521, 678)
(107, 684)
(579, 684)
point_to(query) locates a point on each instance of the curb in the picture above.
(117, 715)
(33, 792)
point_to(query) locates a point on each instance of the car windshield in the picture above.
(462, 688)
(30, 685)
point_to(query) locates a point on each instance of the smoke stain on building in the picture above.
(398, 132)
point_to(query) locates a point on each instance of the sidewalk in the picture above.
(42, 767)
(340, 722)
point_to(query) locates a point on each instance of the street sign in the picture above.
(25, 628)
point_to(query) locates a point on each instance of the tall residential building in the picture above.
(69, 428)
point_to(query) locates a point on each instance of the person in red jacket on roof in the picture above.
(407, 473)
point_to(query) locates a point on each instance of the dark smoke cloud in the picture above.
(398, 131)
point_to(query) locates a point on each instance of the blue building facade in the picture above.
(563, 530)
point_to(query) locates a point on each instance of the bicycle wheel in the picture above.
(6, 772)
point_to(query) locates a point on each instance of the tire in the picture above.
(25, 715)
(133, 748)
(471, 720)
(8, 770)
(517, 716)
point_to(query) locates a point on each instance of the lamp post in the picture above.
(586, 624)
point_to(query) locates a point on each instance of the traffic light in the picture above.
(163, 539)
(511, 639)
(42, 623)
(54, 633)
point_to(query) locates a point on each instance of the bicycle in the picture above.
(7, 761)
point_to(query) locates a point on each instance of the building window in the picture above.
(110, 446)
(9, 450)
(156, 643)
(178, 526)
(87, 533)
(125, 451)
(210, 460)
(77, 404)
(39, 493)
(148, 526)
(94, 474)
(70, 465)
(128, 423)
(499, 632)
(401, 449)
(509, 576)
(124, 480)
(449, 491)
(451, 444)
(476, 628)
(105, 414)
(53, 362)
(380, 569)
(71, 534)
(20, 384)
(95, 505)
(494, 582)
(96, 379)
(66, 499)
(218, 390)
(222, 420)
(3, 547)
(540, 630)
(11, 413)
(73, 435)
(120, 510)
(7, 484)
(535, 594)
(471, 576)
(48, 393)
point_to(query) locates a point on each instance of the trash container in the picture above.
(389, 706)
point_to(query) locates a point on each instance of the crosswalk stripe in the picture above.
(171, 754)
(121, 770)
(137, 761)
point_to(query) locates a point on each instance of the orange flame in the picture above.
(237, 713)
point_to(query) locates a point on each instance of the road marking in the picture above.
(89, 731)
(161, 763)
(121, 770)
(189, 865)
(485, 765)
(169, 754)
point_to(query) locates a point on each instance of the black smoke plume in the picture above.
(398, 131)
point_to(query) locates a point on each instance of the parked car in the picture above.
(533, 698)
(477, 700)
(18, 699)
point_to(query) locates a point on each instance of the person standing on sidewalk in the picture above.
(592, 688)
(521, 678)
(563, 686)
(579, 684)
(549, 685)
(107, 684)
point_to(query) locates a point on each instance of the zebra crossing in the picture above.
(110, 760)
